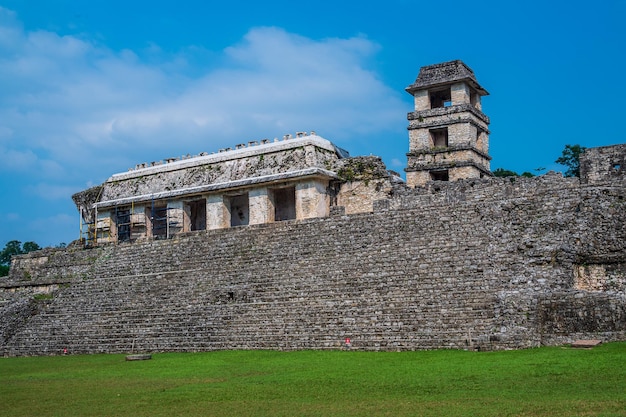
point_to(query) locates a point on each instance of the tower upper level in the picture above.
(448, 132)
(446, 84)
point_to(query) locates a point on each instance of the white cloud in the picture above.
(17, 160)
(74, 111)
(12, 217)
(43, 225)
(47, 191)
(10, 28)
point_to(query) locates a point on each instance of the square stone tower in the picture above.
(448, 132)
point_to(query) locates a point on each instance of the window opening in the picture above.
(284, 203)
(440, 175)
(439, 137)
(441, 98)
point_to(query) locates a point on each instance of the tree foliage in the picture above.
(571, 159)
(12, 248)
(502, 173)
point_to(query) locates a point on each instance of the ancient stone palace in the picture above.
(291, 243)
(298, 177)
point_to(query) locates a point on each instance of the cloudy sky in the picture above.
(91, 88)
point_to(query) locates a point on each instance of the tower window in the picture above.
(439, 138)
(440, 175)
(441, 98)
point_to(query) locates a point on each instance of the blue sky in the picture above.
(91, 88)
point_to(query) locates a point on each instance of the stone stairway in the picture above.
(421, 278)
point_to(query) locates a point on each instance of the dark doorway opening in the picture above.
(122, 216)
(284, 203)
(440, 175)
(239, 210)
(197, 214)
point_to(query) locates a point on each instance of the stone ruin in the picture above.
(292, 244)
(299, 177)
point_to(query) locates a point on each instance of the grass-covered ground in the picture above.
(537, 382)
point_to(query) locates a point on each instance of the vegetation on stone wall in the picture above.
(14, 247)
(571, 159)
(361, 168)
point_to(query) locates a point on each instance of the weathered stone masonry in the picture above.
(299, 177)
(478, 263)
(254, 184)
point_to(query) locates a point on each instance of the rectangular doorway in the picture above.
(197, 214)
(284, 200)
(239, 209)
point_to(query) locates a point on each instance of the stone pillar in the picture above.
(460, 93)
(138, 228)
(148, 217)
(261, 207)
(175, 217)
(311, 199)
(422, 100)
(475, 100)
(420, 139)
(482, 142)
(217, 215)
(106, 227)
(415, 178)
(186, 218)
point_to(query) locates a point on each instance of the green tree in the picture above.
(501, 173)
(571, 159)
(30, 247)
(12, 248)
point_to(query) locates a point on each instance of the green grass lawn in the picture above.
(537, 382)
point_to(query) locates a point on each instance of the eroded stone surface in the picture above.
(473, 264)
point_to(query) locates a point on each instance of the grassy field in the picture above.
(537, 382)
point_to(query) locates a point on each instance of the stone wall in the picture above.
(604, 165)
(362, 181)
(474, 264)
(221, 171)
